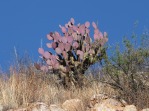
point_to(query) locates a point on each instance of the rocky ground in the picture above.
(100, 102)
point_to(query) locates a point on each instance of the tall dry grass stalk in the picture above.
(20, 89)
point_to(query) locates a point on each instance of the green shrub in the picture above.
(128, 71)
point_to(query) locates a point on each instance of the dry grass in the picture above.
(29, 86)
(20, 89)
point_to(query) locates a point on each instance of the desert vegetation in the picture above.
(127, 71)
(72, 70)
(74, 51)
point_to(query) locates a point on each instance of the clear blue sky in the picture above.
(24, 22)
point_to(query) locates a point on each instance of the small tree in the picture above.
(74, 51)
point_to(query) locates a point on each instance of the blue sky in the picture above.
(23, 23)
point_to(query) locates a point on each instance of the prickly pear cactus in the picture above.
(74, 49)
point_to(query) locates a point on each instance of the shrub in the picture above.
(74, 51)
(128, 72)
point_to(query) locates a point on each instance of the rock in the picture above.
(108, 105)
(54, 107)
(130, 108)
(1, 107)
(147, 109)
(20, 109)
(101, 107)
(73, 105)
